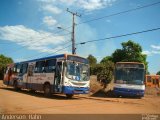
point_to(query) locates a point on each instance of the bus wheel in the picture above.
(69, 96)
(16, 86)
(47, 90)
(32, 91)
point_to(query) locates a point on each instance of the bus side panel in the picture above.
(37, 81)
(9, 77)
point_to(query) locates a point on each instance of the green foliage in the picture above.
(105, 71)
(105, 59)
(130, 52)
(158, 73)
(3, 63)
(92, 62)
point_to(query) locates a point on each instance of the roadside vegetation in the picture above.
(104, 70)
(4, 61)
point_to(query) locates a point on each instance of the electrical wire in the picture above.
(122, 12)
(118, 36)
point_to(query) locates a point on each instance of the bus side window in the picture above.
(24, 68)
(39, 68)
(21, 68)
(30, 70)
(50, 65)
(14, 68)
(18, 68)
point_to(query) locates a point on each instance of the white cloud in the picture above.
(94, 4)
(78, 4)
(49, 21)
(31, 39)
(68, 2)
(150, 53)
(52, 9)
(84, 31)
(46, 1)
(155, 52)
(146, 52)
(155, 47)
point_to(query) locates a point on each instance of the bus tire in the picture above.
(32, 91)
(15, 85)
(69, 96)
(47, 90)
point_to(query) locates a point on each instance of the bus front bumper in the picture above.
(128, 92)
(75, 90)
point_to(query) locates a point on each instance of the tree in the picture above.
(130, 52)
(3, 63)
(105, 59)
(104, 72)
(158, 73)
(92, 63)
(92, 60)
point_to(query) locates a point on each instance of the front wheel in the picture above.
(47, 90)
(69, 96)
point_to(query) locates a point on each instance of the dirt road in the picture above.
(35, 103)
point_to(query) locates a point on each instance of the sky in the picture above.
(29, 28)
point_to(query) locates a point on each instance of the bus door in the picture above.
(58, 77)
(30, 75)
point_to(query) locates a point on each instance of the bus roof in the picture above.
(129, 63)
(153, 75)
(55, 56)
(50, 57)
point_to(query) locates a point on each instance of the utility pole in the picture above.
(73, 30)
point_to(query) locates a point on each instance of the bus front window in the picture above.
(77, 71)
(130, 76)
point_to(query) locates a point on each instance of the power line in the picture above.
(22, 47)
(102, 39)
(44, 53)
(118, 36)
(130, 10)
(59, 50)
(114, 14)
(122, 12)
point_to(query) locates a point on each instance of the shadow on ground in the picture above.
(110, 94)
(38, 94)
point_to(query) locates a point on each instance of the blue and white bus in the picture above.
(129, 79)
(67, 74)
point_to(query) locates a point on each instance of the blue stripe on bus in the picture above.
(50, 57)
(36, 86)
(128, 92)
(75, 90)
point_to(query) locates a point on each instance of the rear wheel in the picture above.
(47, 90)
(32, 91)
(15, 85)
(69, 96)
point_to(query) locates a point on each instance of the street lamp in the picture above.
(64, 29)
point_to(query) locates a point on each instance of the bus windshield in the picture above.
(130, 76)
(77, 71)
